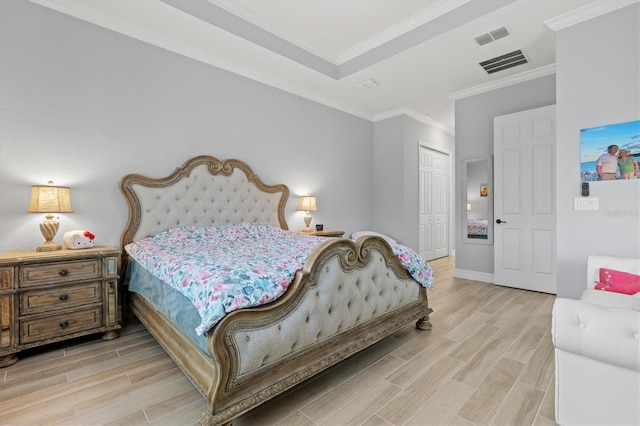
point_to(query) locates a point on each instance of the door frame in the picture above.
(451, 211)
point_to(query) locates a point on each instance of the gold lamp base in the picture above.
(307, 222)
(49, 228)
(49, 246)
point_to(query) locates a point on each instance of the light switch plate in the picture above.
(583, 203)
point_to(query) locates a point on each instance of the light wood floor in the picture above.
(487, 361)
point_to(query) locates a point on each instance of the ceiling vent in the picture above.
(367, 84)
(503, 62)
(492, 36)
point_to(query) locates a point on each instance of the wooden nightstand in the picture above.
(47, 297)
(322, 233)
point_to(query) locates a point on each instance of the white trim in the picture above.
(338, 58)
(504, 82)
(237, 9)
(417, 20)
(425, 119)
(473, 275)
(103, 18)
(168, 43)
(585, 13)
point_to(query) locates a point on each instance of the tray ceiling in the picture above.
(421, 54)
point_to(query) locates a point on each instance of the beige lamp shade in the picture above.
(49, 199)
(308, 204)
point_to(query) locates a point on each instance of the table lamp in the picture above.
(49, 199)
(307, 204)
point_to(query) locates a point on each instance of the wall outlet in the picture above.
(586, 203)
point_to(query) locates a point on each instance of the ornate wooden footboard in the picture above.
(348, 296)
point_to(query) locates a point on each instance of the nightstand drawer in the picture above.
(61, 297)
(60, 272)
(6, 279)
(32, 330)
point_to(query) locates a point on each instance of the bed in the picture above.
(477, 228)
(348, 294)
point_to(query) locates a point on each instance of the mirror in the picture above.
(477, 201)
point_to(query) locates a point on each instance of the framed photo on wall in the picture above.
(610, 152)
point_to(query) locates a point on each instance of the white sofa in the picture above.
(597, 352)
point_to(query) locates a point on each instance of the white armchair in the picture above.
(597, 352)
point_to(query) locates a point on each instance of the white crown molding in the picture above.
(339, 58)
(88, 15)
(427, 15)
(107, 21)
(425, 119)
(200, 55)
(587, 12)
(504, 82)
(243, 13)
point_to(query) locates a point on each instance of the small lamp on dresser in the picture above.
(307, 204)
(49, 199)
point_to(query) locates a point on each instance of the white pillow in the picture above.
(636, 302)
(387, 238)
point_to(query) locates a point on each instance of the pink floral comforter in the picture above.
(228, 267)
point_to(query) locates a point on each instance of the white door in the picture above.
(524, 200)
(433, 204)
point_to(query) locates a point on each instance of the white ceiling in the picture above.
(421, 52)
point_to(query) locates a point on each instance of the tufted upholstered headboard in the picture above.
(204, 191)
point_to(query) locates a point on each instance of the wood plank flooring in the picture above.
(487, 361)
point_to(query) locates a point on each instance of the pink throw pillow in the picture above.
(618, 281)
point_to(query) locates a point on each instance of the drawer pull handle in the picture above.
(63, 296)
(63, 272)
(64, 324)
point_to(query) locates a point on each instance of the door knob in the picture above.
(499, 221)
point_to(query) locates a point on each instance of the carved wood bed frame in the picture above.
(349, 294)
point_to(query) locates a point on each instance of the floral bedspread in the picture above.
(228, 267)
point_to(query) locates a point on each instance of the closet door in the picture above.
(433, 204)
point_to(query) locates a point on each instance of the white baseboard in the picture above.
(473, 275)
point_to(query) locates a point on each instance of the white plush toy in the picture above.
(78, 239)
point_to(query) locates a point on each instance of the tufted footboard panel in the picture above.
(337, 302)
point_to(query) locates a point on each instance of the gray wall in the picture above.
(598, 82)
(388, 163)
(395, 167)
(474, 138)
(84, 106)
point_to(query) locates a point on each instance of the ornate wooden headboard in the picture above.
(204, 191)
